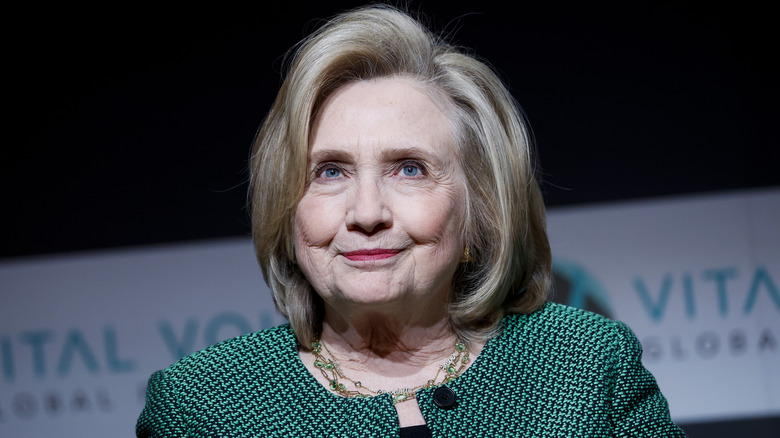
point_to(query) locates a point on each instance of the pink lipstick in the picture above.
(370, 254)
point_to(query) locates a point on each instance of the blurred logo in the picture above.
(575, 286)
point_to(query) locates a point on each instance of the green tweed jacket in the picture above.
(558, 372)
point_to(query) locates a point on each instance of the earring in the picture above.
(467, 258)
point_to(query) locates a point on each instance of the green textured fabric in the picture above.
(558, 372)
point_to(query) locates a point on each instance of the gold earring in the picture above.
(467, 258)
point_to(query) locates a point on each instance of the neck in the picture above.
(375, 337)
(384, 351)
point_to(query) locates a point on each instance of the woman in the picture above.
(398, 223)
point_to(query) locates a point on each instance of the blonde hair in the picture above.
(505, 230)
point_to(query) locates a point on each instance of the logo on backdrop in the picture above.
(579, 287)
(45, 369)
(575, 286)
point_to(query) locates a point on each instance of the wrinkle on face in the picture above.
(366, 130)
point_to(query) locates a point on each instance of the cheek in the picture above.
(438, 219)
(316, 222)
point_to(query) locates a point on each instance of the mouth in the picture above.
(370, 254)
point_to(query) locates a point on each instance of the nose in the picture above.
(368, 210)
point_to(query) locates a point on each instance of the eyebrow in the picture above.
(395, 154)
(329, 155)
(387, 155)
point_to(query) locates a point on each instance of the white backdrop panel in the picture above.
(695, 277)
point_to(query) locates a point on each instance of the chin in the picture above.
(374, 296)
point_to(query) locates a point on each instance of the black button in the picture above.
(444, 397)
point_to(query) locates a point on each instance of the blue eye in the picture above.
(328, 171)
(411, 169)
(331, 172)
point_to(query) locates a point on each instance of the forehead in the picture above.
(382, 113)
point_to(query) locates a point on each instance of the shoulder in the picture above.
(569, 327)
(566, 348)
(243, 352)
(224, 371)
(244, 384)
(554, 316)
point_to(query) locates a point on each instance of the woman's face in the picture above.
(381, 217)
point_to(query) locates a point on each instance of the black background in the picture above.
(132, 124)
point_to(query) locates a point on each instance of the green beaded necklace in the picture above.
(452, 367)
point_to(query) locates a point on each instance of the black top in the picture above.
(420, 431)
